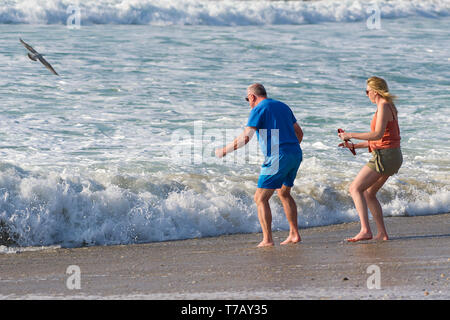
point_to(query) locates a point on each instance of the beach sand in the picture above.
(414, 264)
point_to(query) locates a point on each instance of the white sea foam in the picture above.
(201, 12)
(104, 209)
(15, 249)
(72, 211)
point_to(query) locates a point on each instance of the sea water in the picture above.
(119, 148)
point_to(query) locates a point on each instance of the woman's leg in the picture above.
(365, 179)
(375, 207)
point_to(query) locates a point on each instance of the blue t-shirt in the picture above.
(274, 122)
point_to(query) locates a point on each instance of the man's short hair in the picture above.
(258, 90)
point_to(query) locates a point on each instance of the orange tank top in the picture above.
(391, 137)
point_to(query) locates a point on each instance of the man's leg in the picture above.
(290, 209)
(262, 197)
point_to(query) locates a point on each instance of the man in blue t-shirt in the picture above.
(279, 137)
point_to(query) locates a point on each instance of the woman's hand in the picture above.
(344, 136)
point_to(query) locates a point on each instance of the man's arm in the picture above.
(237, 143)
(298, 132)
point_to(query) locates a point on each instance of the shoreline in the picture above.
(414, 264)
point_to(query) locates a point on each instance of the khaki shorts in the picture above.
(386, 161)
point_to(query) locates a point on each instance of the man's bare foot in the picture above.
(361, 237)
(265, 243)
(292, 239)
(381, 237)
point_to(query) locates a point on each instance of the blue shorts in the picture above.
(280, 170)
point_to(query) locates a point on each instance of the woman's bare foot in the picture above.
(361, 237)
(381, 237)
(292, 239)
(265, 243)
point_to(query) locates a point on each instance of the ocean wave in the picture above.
(57, 209)
(214, 13)
(101, 208)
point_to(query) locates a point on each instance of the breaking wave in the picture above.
(45, 209)
(212, 13)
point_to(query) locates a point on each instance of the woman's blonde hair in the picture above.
(380, 86)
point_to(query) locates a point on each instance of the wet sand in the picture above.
(414, 264)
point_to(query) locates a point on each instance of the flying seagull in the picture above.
(34, 55)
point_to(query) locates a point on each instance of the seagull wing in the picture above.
(29, 48)
(32, 57)
(47, 65)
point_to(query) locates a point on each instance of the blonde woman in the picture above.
(383, 142)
